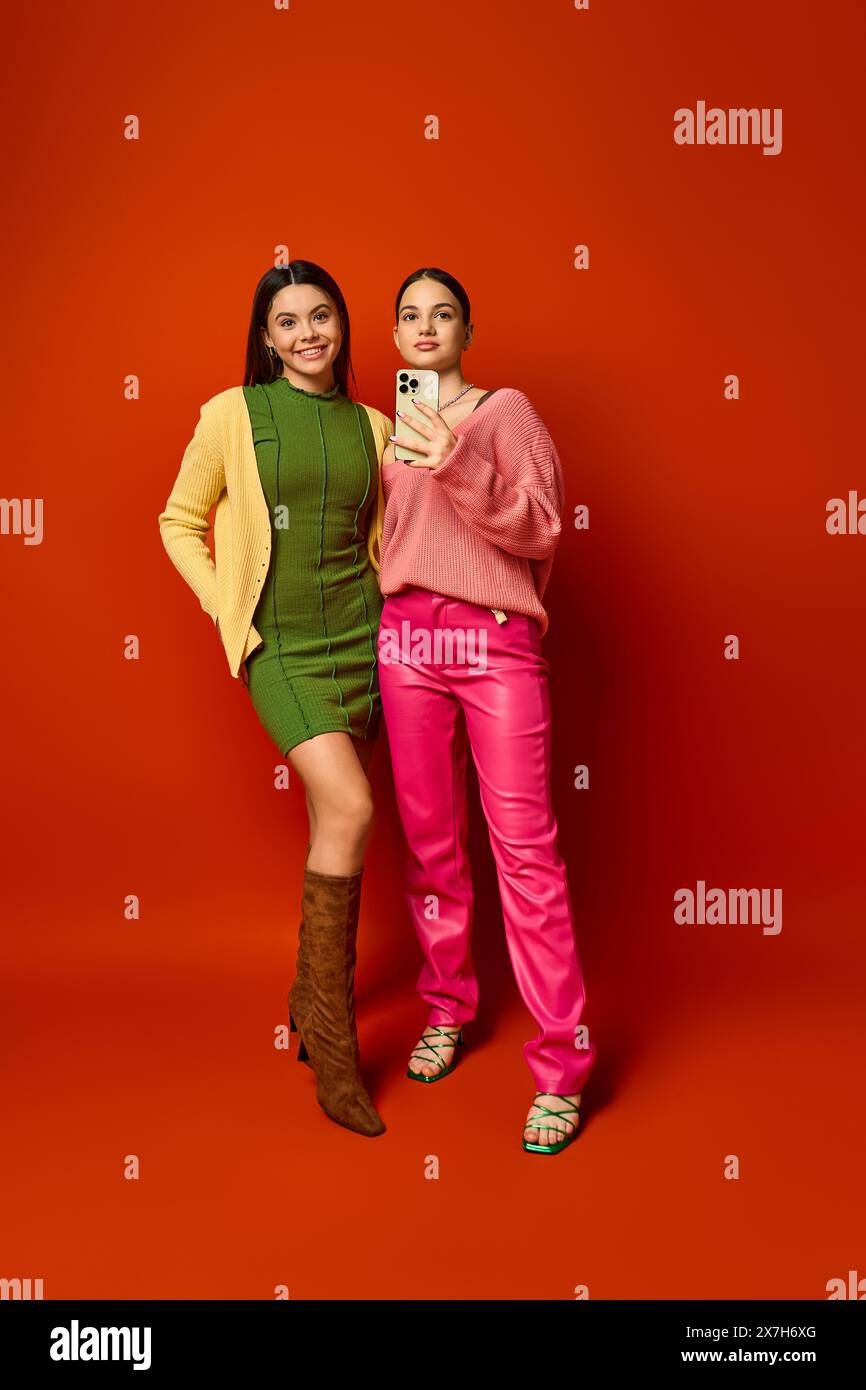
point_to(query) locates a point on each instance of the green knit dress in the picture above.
(319, 610)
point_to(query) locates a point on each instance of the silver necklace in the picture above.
(457, 397)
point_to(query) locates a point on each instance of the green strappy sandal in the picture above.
(568, 1109)
(435, 1030)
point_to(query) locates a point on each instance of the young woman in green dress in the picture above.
(314, 682)
(313, 679)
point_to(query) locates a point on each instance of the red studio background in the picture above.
(707, 517)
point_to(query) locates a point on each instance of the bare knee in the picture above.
(349, 818)
(342, 830)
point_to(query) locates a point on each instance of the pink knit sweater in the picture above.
(484, 525)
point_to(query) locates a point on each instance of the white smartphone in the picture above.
(424, 384)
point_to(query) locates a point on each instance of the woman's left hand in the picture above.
(437, 440)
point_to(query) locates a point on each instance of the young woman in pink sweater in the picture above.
(466, 551)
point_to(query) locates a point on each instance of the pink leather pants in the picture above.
(497, 677)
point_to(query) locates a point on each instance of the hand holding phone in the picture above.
(423, 383)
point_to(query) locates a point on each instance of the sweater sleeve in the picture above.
(523, 517)
(183, 524)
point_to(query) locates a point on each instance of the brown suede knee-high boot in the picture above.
(328, 1030)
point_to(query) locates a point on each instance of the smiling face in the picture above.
(430, 316)
(304, 317)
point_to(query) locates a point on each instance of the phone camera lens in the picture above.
(403, 390)
(414, 384)
(404, 376)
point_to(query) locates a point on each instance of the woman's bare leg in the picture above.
(332, 768)
(364, 749)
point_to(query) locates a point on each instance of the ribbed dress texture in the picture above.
(320, 605)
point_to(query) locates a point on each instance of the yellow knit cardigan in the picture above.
(219, 466)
